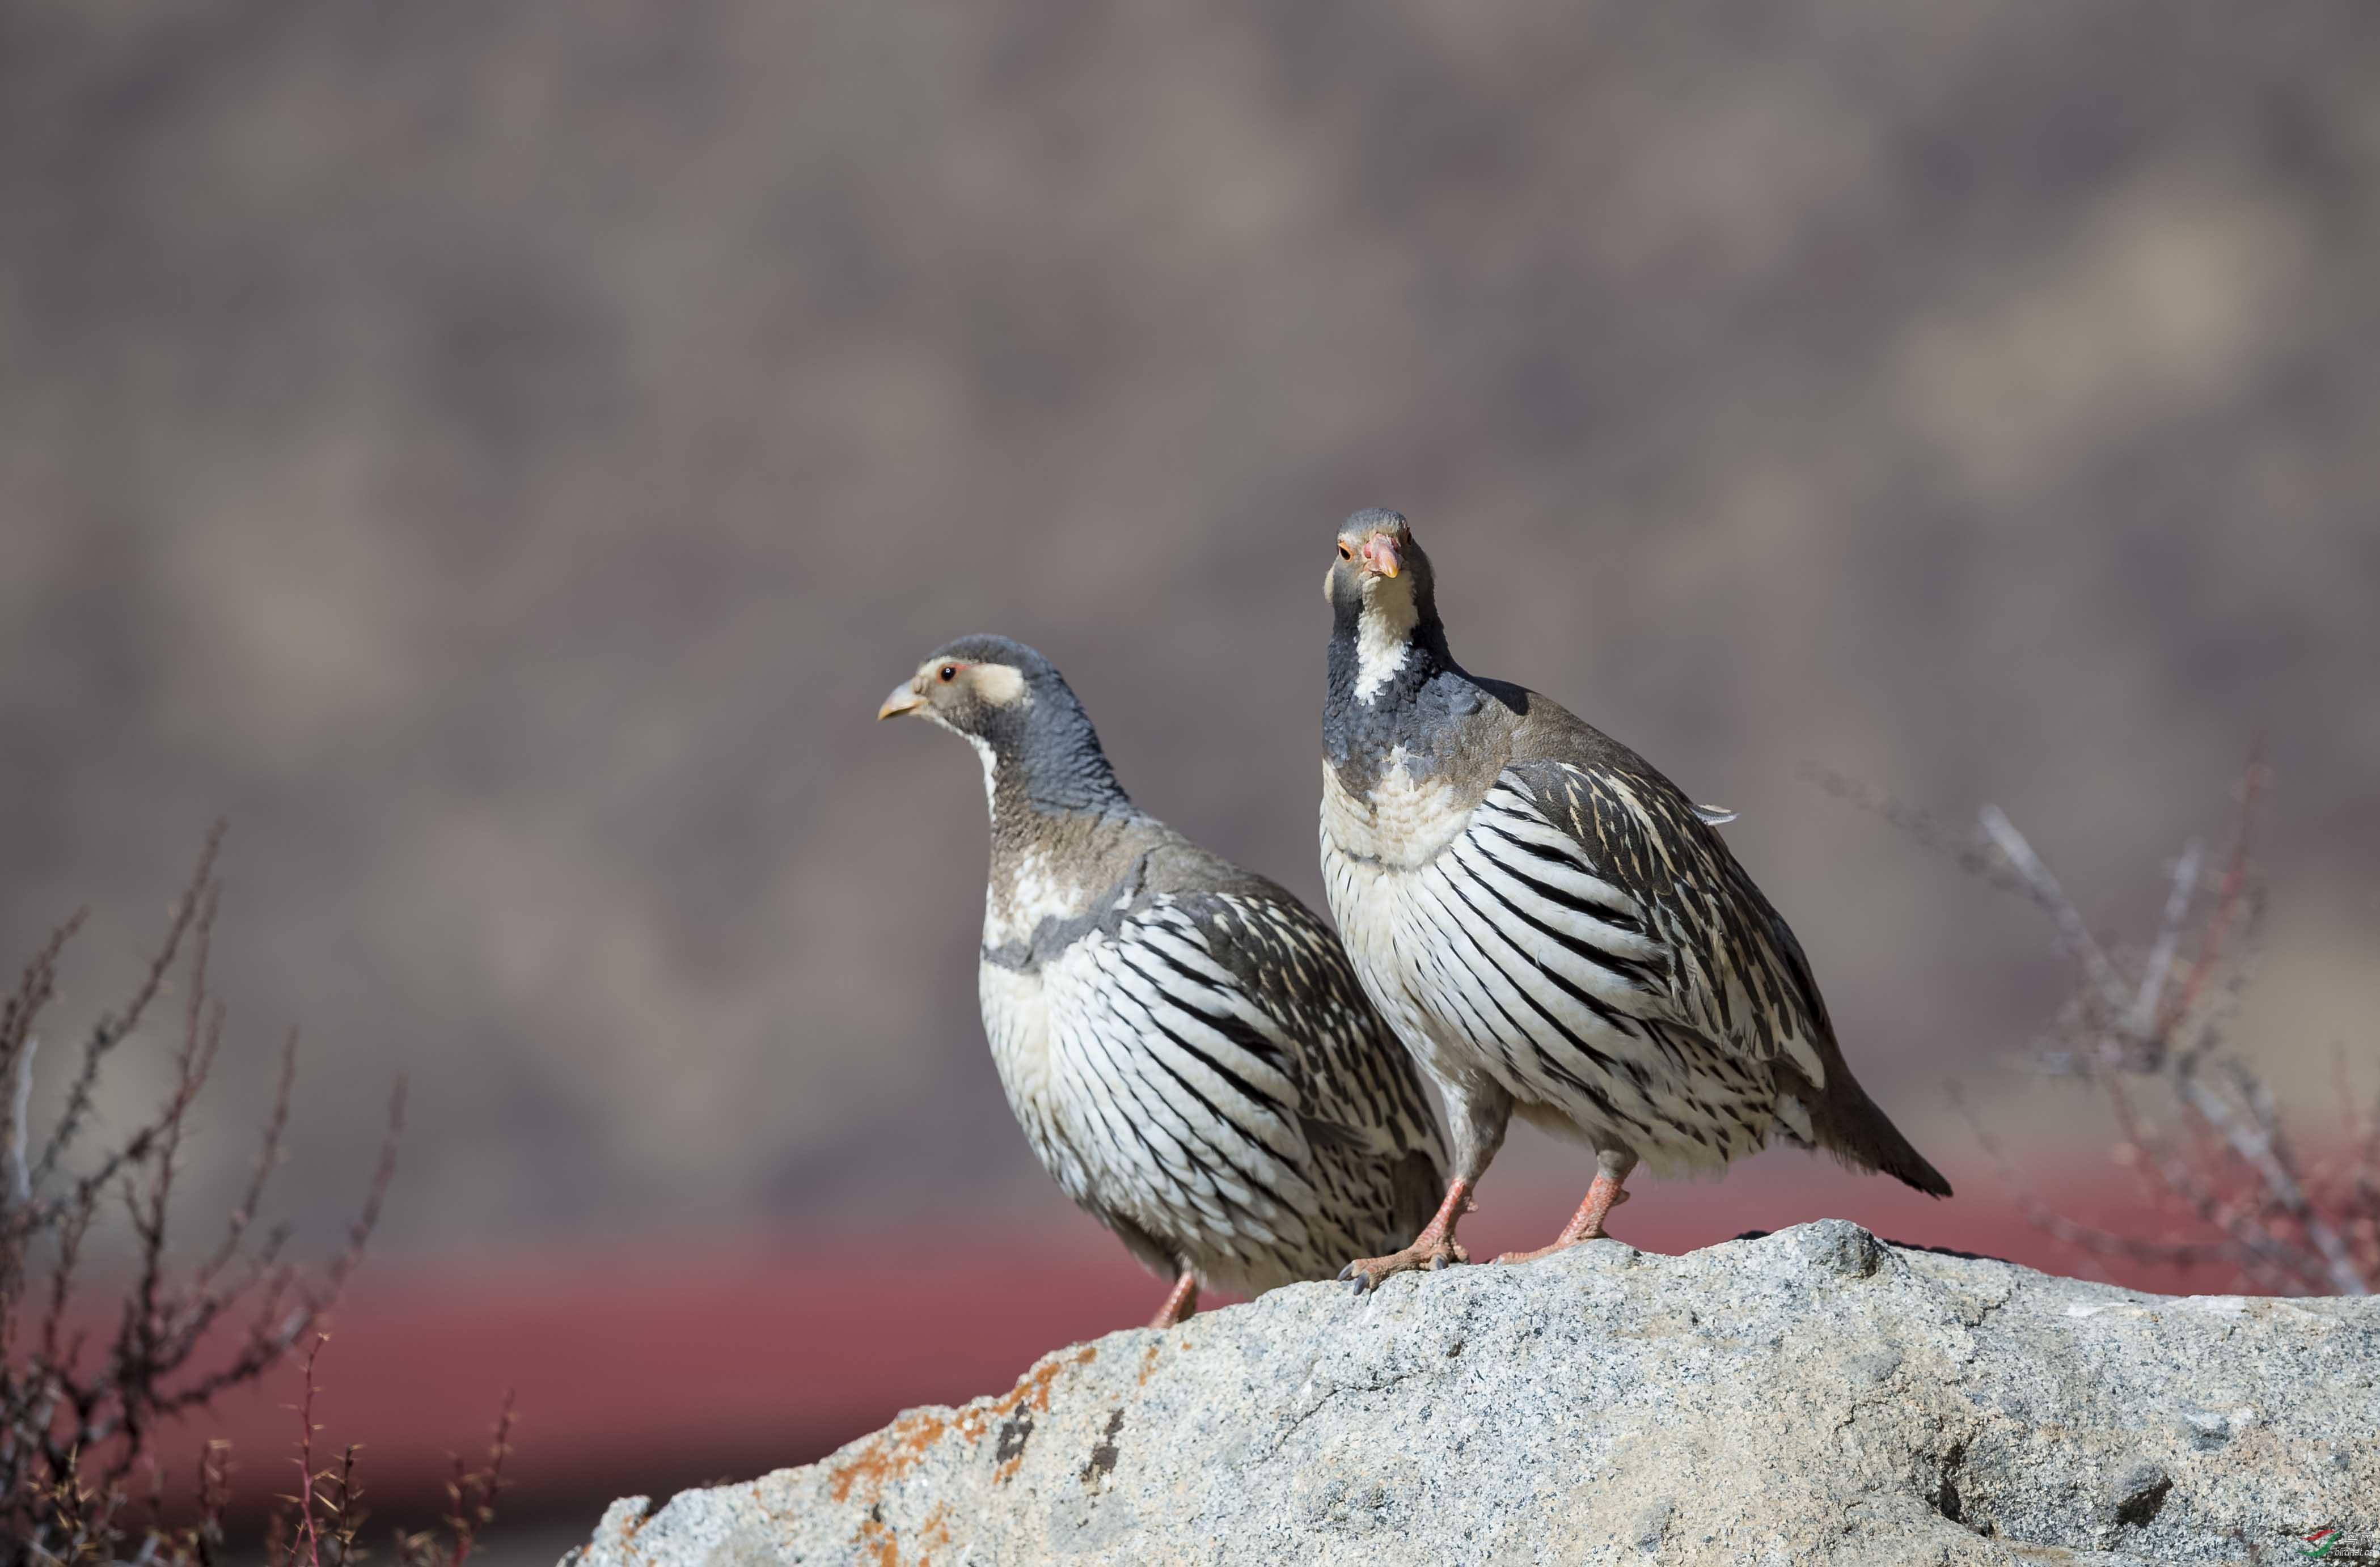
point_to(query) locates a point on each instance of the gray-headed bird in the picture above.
(1183, 1043)
(1551, 927)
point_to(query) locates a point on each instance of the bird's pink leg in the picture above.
(1179, 1305)
(1602, 1196)
(1434, 1247)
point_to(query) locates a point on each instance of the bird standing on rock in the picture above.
(1551, 927)
(1183, 1043)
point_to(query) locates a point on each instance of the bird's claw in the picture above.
(1366, 1272)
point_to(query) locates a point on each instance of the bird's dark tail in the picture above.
(1848, 1124)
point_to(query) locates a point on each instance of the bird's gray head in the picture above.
(1037, 743)
(1385, 629)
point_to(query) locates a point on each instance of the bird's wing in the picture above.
(1181, 1081)
(1725, 965)
(1304, 1015)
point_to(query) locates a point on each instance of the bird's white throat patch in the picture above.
(1383, 634)
(990, 760)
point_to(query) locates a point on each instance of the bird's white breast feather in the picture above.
(1400, 820)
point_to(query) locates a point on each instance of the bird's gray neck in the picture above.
(1388, 661)
(1042, 759)
(1058, 815)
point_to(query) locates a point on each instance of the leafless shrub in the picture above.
(2198, 1127)
(322, 1523)
(81, 1421)
(470, 1505)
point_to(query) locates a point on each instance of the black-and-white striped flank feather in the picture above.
(1202, 1072)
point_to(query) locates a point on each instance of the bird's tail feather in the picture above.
(1848, 1124)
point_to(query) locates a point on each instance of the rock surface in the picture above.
(1815, 1395)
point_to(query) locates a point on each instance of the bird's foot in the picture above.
(1584, 1226)
(1428, 1252)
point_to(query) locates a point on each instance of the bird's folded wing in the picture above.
(1153, 1059)
(1729, 967)
(1303, 1012)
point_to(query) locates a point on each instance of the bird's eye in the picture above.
(947, 673)
(1346, 550)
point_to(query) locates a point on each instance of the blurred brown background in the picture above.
(499, 454)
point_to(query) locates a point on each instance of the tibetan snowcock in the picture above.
(1551, 927)
(1185, 1044)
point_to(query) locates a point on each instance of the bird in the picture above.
(1189, 1053)
(1553, 927)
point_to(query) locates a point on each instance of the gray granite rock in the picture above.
(1812, 1396)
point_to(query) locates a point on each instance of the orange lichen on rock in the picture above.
(1035, 1384)
(893, 1451)
(889, 1454)
(877, 1543)
(880, 1544)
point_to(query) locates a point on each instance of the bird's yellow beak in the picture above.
(905, 698)
(1380, 556)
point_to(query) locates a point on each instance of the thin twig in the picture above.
(2074, 934)
(2177, 914)
(110, 1031)
(2228, 898)
(20, 1172)
(309, 1542)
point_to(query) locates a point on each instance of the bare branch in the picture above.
(2218, 1164)
(276, 1122)
(2143, 1018)
(2074, 934)
(1959, 848)
(110, 1031)
(77, 1432)
(2228, 898)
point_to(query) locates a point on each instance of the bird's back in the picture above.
(1737, 971)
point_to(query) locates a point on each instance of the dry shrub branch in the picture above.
(2155, 1029)
(83, 1408)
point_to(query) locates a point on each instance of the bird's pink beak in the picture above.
(1380, 556)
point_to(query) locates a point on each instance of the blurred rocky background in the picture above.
(498, 455)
